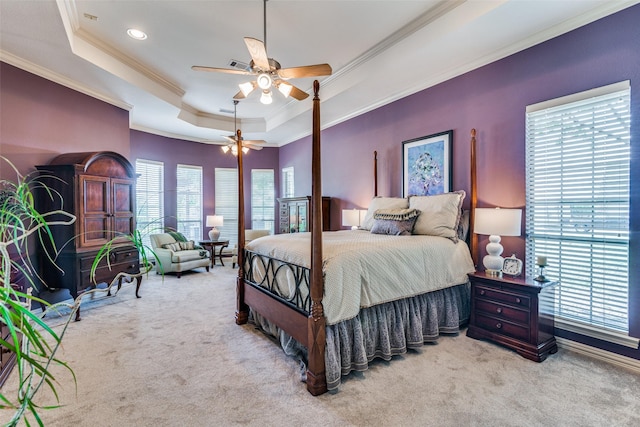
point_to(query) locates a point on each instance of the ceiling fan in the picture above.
(268, 71)
(246, 143)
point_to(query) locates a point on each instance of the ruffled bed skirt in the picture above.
(382, 331)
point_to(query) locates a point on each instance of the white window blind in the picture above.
(577, 204)
(262, 199)
(149, 198)
(189, 201)
(226, 203)
(287, 182)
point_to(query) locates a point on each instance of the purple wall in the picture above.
(176, 151)
(40, 119)
(491, 99)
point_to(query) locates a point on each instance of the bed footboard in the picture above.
(261, 293)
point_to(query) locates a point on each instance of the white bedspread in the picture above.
(364, 269)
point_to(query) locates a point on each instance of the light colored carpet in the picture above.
(175, 357)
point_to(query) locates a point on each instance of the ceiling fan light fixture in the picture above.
(266, 97)
(225, 149)
(246, 88)
(264, 81)
(285, 89)
(245, 150)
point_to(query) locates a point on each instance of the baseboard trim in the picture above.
(596, 353)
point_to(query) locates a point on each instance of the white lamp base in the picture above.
(493, 261)
(214, 234)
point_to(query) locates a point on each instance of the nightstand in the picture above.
(515, 312)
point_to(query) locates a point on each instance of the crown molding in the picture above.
(45, 73)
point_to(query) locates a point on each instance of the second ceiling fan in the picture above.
(269, 74)
(244, 143)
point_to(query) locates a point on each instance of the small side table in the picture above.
(515, 312)
(211, 246)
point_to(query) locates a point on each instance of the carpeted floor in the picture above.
(176, 358)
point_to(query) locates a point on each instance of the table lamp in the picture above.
(214, 221)
(351, 218)
(496, 222)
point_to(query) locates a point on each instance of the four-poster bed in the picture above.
(296, 288)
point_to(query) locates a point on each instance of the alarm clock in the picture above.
(512, 266)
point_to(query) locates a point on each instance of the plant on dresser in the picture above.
(515, 312)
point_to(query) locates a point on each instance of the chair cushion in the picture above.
(189, 255)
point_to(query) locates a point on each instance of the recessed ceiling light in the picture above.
(136, 34)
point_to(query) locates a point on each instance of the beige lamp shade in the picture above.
(214, 221)
(351, 218)
(497, 221)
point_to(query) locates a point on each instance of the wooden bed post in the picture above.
(473, 238)
(242, 309)
(316, 378)
(375, 174)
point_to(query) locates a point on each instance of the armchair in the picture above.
(249, 235)
(176, 257)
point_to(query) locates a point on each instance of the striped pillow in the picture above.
(172, 246)
(187, 246)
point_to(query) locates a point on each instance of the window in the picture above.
(189, 201)
(577, 196)
(287, 182)
(149, 198)
(227, 203)
(262, 199)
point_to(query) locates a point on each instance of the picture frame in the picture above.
(426, 164)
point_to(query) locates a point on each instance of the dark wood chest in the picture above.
(514, 312)
(99, 189)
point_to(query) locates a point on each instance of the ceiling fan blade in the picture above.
(297, 93)
(305, 71)
(254, 141)
(220, 70)
(253, 147)
(231, 138)
(258, 53)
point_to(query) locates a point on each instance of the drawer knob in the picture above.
(518, 300)
(499, 310)
(481, 291)
(499, 325)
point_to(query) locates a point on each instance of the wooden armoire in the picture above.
(294, 214)
(99, 189)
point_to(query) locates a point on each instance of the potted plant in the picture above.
(29, 338)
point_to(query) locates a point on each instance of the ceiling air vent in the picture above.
(239, 65)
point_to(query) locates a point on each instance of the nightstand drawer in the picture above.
(502, 311)
(502, 327)
(502, 296)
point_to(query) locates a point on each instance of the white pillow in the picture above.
(439, 214)
(382, 203)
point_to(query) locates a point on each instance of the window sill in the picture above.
(598, 333)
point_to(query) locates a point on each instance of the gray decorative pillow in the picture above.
(394, 222)
(382, 203)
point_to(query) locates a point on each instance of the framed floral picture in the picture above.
(426, 165)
